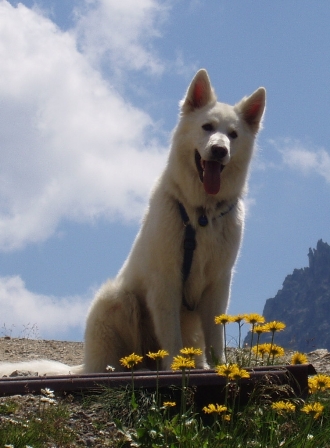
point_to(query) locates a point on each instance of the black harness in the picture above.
(189, 243)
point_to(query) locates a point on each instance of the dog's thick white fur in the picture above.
(142, 309)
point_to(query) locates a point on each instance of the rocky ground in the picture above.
(12, 349)
(90, 423)
(85, 421)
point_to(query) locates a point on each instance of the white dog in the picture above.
(167, 293)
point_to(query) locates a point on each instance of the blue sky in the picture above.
(89, 94)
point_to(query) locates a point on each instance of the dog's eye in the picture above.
(233, 134)
(208, 127)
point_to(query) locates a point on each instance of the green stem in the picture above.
(157, 383)
(239, 334)
(251, 343)
(132, 374)
(183, 400)
(225, 342)
(257, 351)
(271, 346)
(226, 392)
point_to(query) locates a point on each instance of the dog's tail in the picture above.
(40, 367)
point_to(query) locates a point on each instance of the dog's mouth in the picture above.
(209, 173)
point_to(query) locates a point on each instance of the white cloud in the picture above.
(35, 315)
(305, 159)
(71, 146)
(120, 32)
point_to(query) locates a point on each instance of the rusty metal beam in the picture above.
(207, 384)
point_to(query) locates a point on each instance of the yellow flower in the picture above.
(131, 360)
(299, 358)
(262, 349)
(315, 409)
(282, 407)
(157, 355)
(226, 369)
(226, 417)
(214, 408)
(312, 388)
(232, 372)
(239, 374)
(254, 318)
(169, 404)
(276, 350)
(190, 351)
(181, 362)
(319, 383)
(223, 319)
(238, 318)
(260, 329)
(275, 326)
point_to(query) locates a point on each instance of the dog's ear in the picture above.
(199, 93)
(252, 108)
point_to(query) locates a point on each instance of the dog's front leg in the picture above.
(165, 311)
(214, 302)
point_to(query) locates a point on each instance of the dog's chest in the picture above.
(212, 245)
(216, 250)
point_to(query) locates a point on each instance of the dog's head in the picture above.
(218, 130)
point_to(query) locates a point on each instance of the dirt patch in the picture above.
(13, 349)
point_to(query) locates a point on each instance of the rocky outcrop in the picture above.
(303, 304)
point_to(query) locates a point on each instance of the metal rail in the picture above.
(207, 384)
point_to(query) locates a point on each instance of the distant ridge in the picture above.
(303, 304)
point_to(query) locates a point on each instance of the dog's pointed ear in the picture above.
(252, 108)
(199, 93)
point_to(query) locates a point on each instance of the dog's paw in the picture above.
(203, 365)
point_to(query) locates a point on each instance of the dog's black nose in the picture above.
(219, 152)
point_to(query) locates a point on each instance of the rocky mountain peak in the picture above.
(303, 304)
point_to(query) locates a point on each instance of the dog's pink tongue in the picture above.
(211, 179)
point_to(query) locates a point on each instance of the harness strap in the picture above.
(189, 244)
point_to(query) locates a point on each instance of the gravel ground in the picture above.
(12, 349)
(84, 421)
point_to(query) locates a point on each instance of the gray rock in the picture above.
(23, 373)
(303, 304)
